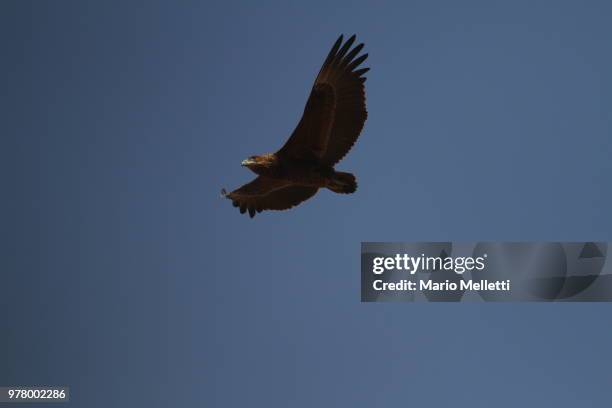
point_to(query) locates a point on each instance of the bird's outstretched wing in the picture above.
(335, 111)
(266, 193)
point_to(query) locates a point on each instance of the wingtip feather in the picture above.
(347, 45)
(357, 62)
(361, 71)
(337, 44)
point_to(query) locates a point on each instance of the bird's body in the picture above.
(302, 172)
(333, 118)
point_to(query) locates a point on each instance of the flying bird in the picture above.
(331, 123)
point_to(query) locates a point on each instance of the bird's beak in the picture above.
(247, 162)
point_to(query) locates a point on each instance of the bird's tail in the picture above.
(343, 183)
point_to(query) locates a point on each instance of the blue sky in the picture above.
(487, 121)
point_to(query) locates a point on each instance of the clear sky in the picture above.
(127, 277)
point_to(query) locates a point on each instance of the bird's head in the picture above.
(260, 164)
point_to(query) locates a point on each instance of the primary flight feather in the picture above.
(332, 121)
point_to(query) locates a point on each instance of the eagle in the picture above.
(330, 125)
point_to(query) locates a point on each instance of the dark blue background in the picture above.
(128, 278)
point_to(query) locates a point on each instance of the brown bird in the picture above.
(333, 118)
